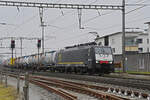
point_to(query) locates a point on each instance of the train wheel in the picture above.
(81, 71)
(75, 70)
(90, 71)
(66, 70)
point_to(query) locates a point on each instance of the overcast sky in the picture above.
(63, 28)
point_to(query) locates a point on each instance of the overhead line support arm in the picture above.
(54, 5)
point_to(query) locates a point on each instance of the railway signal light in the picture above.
(39, 44)
(12, 43)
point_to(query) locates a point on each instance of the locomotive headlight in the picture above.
(97, 61)
(110, 62)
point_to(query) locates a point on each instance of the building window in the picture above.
(147, 49)
(139, 40)
(113, 49)
(106, 41)
(130, 42)
(147, 41)
(140, 49)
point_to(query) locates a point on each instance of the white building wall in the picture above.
(115, 41)
(145, 43)
(148, 31)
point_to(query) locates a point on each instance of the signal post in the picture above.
(38, 46)
(12, 48)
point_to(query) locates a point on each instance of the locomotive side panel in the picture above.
(76, 57)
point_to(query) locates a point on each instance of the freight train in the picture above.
(84, 58)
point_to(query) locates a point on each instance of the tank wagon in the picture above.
(83, 58)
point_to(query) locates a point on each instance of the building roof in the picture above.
(133, 32)
(143, 34)
(147, 23)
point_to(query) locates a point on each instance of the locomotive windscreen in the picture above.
(103, 50)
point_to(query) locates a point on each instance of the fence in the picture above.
(139, 62)
(3, 79)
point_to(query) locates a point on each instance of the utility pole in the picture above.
(26, 87)
(38, 47)
(42, 26)
(18, 83)
(123, 37)
(1, 77)
(21, 45)
(12, 56)
(6, 79)
(79, 17)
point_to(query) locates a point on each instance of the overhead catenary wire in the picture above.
(139, 1)
(59, 0)
(24, 22)
(29, 19)
(117, 25)
(126, 14)
(85, 21)
(130, 5)
(141, 6)
(135, 9)
(72, 37)
(56, 19)
(80, 27)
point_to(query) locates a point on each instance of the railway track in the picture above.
(132, 83)
(75, 87)
(95, 87)
(99, 92)
(63, 94)
(106, 90)
(66, 85)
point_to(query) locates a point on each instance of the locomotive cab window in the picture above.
(102, 50)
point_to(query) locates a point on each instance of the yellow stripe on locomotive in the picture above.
(71, 63)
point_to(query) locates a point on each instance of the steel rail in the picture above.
(59, 92)
(144, 95)
(101, 88)
(79, 89)
(62, 93)
(99, 95)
